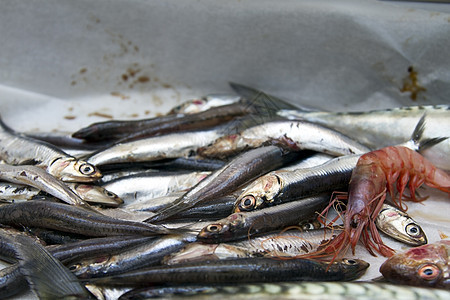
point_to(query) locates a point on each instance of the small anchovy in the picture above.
(426, 266)
(131, 130)
(46, 275)
(149, 185)
(92, 247)
(40, 179)
(400, 226)
(293, 134)
(171, 145)
(241, 225)
(233, 175)
(143, 255)
(204, 103)
(18, 149)
(259, 269)
(289, 291)
(289, 243)
(69, 218)
(283, 186)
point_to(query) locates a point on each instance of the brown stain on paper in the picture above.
(411, 84)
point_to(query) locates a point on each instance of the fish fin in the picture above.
(253, 94)
(417, 142)
(47, 276)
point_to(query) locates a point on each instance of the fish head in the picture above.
(400, 226)
(96, 194)
(222, 230)
(425, 266)
(259, 194)
(73, 170)
(352, 268)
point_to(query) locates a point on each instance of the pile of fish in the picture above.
(224, 195)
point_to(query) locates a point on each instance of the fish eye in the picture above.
(429, 271)
(214, 228)
(351, 262)
(74, 267)
(308, 226)
(412, 230)
(87, 169)
(109, 194)
(247, 203)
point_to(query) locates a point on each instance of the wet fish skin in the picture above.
(84, 249)
(387, 127)
(288, 243)
(283, 186)
(143, 255)
(242, 270)
(204, 103)
(232, 176)
(18, 149)
(400, 226)
(69, 218)
(40, 179)
(171, 145)
(290, 291)
(149, 185)
(242, 225)
(46, 275)
(12, 282)
(294, 134)
(426, 266)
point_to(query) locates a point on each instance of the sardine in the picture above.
(289, 291)
(400, 226)
(293, 134)
(242, 225)
(232, 176)
(426, 266)
(19, 149)
(239, 270)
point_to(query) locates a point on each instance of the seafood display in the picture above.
(225, 194)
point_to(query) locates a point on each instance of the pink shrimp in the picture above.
(373, 177)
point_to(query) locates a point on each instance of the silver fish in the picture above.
(283, 186)
(400, 226)
(19, 149)
(154, 148)
(149, 185)
(40, 179)
(387, 127)
(289, 243)
(294, 134)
